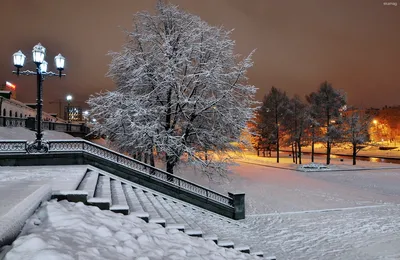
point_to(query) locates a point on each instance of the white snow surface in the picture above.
(22, 133)
(67, 231)
(12, 222)
(17, 183)
(348, 214)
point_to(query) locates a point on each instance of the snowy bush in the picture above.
(312, 166)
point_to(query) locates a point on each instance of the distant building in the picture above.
(10, 107)
(75, 113)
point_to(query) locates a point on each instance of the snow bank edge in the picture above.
(13, 221)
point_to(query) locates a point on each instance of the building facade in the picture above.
(13, 108)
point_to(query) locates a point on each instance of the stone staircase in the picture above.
(109, 192)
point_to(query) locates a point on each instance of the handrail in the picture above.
(13, 146)
(97, 150)
(47, 125)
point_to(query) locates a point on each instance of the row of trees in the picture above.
(322, 117)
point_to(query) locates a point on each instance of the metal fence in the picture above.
(46, 125)
(56, 146)
(12, 122)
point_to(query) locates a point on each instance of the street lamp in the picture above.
(376, 128)
(69, 99)
(85, 115)
(38, 55)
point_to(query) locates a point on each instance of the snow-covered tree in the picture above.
(262, 131)
(180, 90)
(326, 105)
(297, 123)
(272, 113)
(356, 126)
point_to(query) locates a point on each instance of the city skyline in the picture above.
(351, 44)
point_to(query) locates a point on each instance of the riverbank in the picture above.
(337, 164)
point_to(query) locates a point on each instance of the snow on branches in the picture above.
(180, 90)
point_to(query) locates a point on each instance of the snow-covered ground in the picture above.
(290, 214)
(16, 183)
(68, 231)
(349, 213)
(21, 133)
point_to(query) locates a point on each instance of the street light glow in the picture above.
(9, 84)
(60, 61)
(375, 122)
(69, 98)
(43, 67)
(19, 59)
(38, 53)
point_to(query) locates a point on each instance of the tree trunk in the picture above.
(354, 154)
(151, 158)
(277, 145)
(312, 145)
(170, 167)
(139, 156)
(293, 153)
(299, 146)
(328, 152)
(295, 150)
(258, 152)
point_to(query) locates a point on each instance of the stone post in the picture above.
(238, 204)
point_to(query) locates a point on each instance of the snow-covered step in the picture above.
(191, 216)
(70, 195)
(243, 249)
(154, 216)
(226, 244)
(212, 237)
(89, 183)
(102, 195)
(261, 254)
(135, 207)
(213, 225)
(192, 229)
(118, 199)
(170, 221)
(179, 227)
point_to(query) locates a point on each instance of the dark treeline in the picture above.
(323, 116)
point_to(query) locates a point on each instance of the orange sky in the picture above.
(354, 44)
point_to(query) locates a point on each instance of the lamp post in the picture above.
(69, 99)
(38, 54)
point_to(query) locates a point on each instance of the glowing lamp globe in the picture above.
(43, 67)
(19, 59)
(38, 53)
(60, 61)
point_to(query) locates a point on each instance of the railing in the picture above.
(46, 125)
(14, 146)
(56, 146)
(12, 121)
